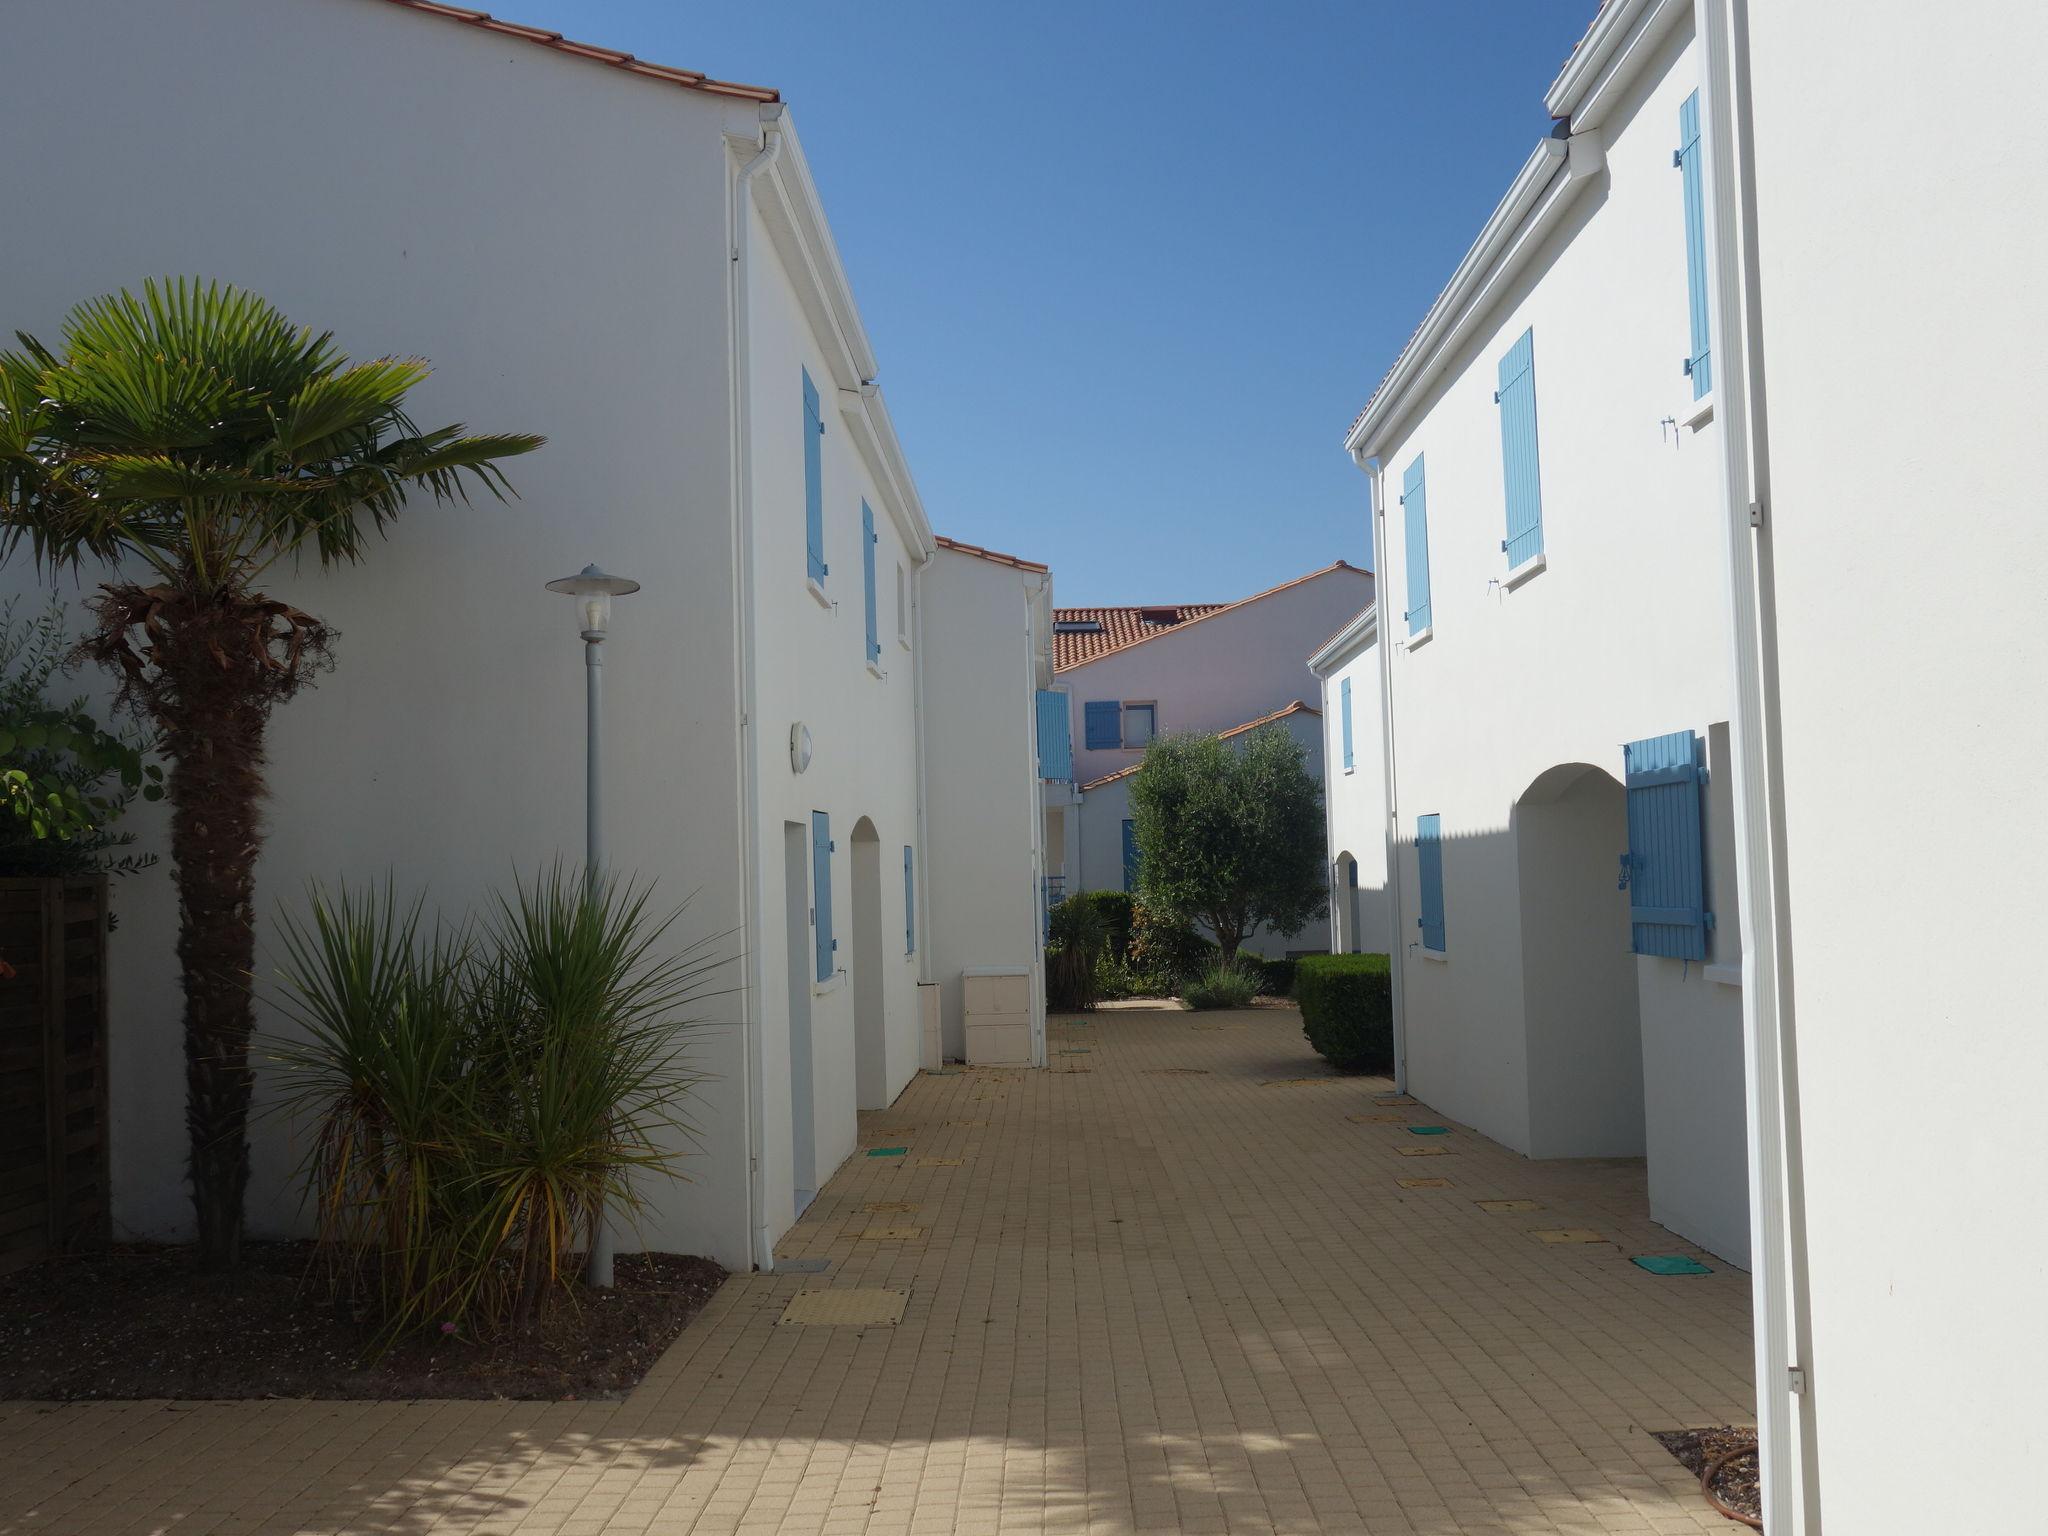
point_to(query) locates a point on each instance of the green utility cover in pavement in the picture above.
(1670, 1264)
(1429, 1130)
(887, 1151)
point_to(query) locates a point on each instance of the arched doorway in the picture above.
(1344, 904)
(1584, 1030)
(870, 1036)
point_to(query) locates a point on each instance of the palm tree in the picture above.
(197, 433)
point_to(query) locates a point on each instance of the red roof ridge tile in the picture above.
(960, 547)
(691, 79)
(1069, 656)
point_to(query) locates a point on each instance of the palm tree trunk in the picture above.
(212, 717)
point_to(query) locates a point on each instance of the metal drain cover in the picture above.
(1378, 1119)
(889, 1207)
(940, 1162)
(1424, 1183)
(846, 1308)
(1569, 1235)
(802, 1266)
(1509, 1205)
(891, 1235)
(1423, 1151)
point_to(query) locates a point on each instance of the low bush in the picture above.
(1114, 908)
(1276, 977)
(1172, 951)
(1074, 950)
(1347, 1009)
(1225, 984)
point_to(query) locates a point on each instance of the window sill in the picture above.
(904, 641)
(1349, 771)
(1435, 956)
(825, 988)
(1535, 565)
(1726, 975)
(1421, 637)
(817, 591)
(1699, 413)
(875, 671)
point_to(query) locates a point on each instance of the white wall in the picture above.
(811, 667)
(1215, 673)
(981, 746)
(1104, 810)
(1623, 635)
(1356, 800)
(551, 235)
(1902, 303)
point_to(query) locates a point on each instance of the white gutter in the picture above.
(1549, 181)
(1616, 45)
(761, 1241)
(1390, 820)
(1782, 1331)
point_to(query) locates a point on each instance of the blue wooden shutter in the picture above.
(1055, 737)
(1517, 397)
(1102, 724)
(1665, 870)
(821, 892)
(814, 482)
(1344, 694)
(1429, 866)
(1415, 504)
(1700, 365)
(909, 901)
(1130, 855)
(867, 576)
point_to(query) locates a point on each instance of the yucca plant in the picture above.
(196, 435)
(476, 1101)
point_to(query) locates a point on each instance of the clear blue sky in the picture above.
(1130, 266)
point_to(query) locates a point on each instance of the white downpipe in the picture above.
(1785, 1390)
(753, 921)
(1390, 818)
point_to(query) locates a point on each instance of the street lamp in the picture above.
(594, 591)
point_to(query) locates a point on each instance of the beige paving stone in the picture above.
(1182, 1295)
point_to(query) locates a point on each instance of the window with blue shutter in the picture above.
(867, 576)
(1429, 867)
(909, 901)
(814, 482)
(1415, 536)
(1517, 399)
(1700, 364)
(1102, 724)
(1130, 856)
(1664, 870)
(821, 892)
(1344, 697)
(1055, 737)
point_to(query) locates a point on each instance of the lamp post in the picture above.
(594, 590)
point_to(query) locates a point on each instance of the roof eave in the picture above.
(1347, 642)
(1620, 38)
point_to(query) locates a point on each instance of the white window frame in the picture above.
(1151, 706)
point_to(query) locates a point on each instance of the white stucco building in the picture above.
(1134, 672)
(1545, 468)
(1347, 665)
(635, 261)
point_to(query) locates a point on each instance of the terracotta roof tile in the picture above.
(1122, 627)
(1298, 707)
(979, 553)
(689, 78)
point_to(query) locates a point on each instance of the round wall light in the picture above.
(799, 747)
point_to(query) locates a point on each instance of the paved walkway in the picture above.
(1175, 1284)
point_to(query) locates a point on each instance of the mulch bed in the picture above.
(142, 1322)
(1736, 1484)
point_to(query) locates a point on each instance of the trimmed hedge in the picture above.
(1276, 977)
(1347, 1009)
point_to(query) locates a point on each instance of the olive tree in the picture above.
(1230, 834)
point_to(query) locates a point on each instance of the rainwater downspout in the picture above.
(753, 923)
(1783, 1335)
(1391, 806)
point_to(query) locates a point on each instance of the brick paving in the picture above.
(1174, 1284)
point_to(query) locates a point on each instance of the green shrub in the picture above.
(476, 1097)
(1223, 985)
(1114, 908)
(1276, 976)
(1347, 1009)
(1172, 951)
(1076, 937)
